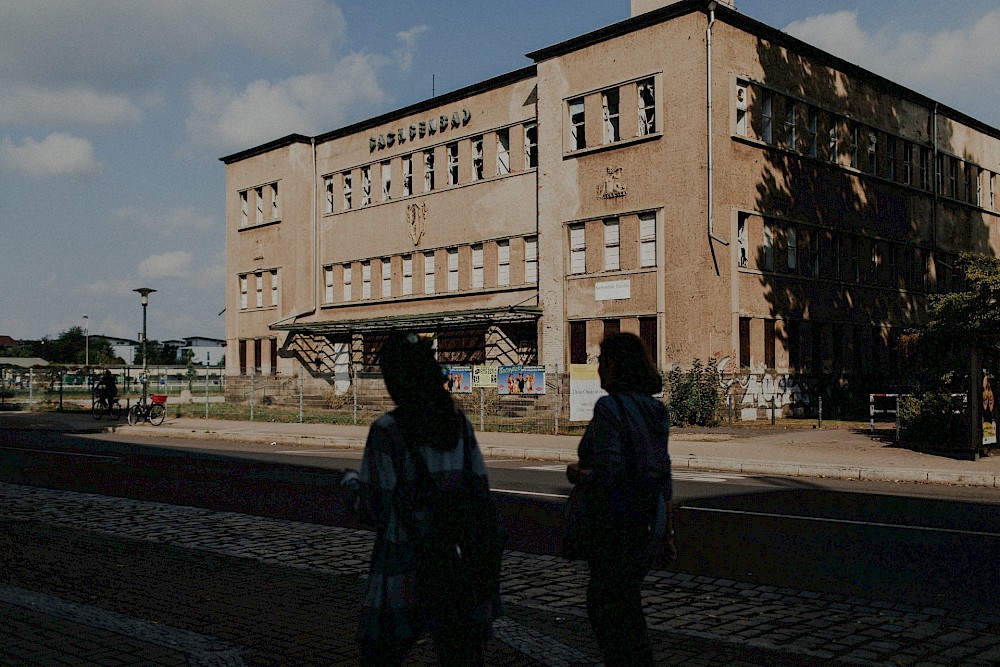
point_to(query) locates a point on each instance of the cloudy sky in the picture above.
(113, 116)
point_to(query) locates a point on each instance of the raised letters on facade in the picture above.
(420, 130)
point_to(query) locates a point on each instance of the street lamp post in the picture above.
(86, 338)
(144, 292)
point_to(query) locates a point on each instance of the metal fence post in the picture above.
(772, 411)
(354, 386)
(208, 369)
(251, 395)
(558, 386)
(482, 408)
(302, 412)
(820, 412)
(31, 388)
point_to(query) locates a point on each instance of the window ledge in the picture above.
(607, 147)
(436, 295)
(259, 225)
(611, 274)
(417, 195)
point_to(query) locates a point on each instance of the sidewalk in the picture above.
(98, 581)
(807, 452)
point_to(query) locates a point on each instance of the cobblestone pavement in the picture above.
(94, 580)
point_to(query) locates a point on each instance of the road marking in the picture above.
(530, 493)
(58, 453)
(851, 522)
(688, 475)
(200, 649)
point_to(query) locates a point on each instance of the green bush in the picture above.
(694, 395)
(934, 419)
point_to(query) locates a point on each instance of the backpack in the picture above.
(457, 560)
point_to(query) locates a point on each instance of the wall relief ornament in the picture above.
(416, 215)
(613, 186)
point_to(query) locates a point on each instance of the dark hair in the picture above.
(415, 380)
(626, 365)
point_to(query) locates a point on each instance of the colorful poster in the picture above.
(989, 412)
(514, 380)
(584, 390)
(458, 379)
(485, 376)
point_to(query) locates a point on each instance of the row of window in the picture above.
(382, 172)
(608, 232)
(462, 269)
(578, 348)
(266, 205)
(640, 96)
(259, 289)
(256, 347)
(819, 347)
(796, 126)
(804, 250)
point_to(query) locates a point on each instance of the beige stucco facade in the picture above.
(790, 221)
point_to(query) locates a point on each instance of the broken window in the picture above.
(453, 163)
(647, 108)
(503, 152)
(477, 158)
(530, 146)
(609, 102)
(578, 128)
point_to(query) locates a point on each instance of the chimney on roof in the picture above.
(643, 6)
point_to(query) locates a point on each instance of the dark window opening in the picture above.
(744, 342)
(577, 342)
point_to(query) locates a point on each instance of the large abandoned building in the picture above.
(716, 186)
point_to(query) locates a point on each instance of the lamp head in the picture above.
(144, 292)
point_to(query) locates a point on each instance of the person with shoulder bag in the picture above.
(619, 517)
(423, 485)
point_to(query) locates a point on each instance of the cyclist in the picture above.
(107, 388)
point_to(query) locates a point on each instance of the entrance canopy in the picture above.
(450, 320)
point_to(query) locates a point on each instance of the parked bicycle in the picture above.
(152, 412)
(104, 405)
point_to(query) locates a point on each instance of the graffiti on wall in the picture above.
(755, 388)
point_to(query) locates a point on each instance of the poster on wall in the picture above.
(458, 379)
(512, 380)
(989, 412)
(485, 376)
(584, 390)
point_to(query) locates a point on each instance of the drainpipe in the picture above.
(937, 180)
(708, 109)
(315, 232)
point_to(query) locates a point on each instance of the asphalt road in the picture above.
(914, 544)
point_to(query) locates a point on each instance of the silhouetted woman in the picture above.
(624, 461)
(426, 420)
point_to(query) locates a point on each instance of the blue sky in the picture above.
(113, 116)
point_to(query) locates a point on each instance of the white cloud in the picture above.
(310, 103)
(31, 104)
(56, 155)
(174, 264)
(959, 66)
(169, 222)
(408, 44)
(95, 42)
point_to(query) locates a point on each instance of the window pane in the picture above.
(647, 108)
(578, 133)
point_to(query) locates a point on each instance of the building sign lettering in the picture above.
(420, 130)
